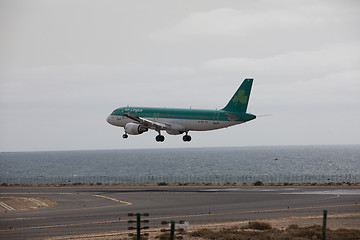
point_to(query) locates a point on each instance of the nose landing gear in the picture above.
(125, 135)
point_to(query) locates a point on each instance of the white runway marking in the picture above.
(330, 192)
(38, 202)
(6, 206)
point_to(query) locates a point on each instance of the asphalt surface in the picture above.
(85, 210)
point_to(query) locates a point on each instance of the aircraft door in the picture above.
(156, 115)
(216, 117)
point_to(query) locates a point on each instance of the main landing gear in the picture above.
(159, 138)
(186, 138)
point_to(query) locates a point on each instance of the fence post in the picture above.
(138, 224)
(324, 225)
(172, 227)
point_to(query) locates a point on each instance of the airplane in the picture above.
(175, 121)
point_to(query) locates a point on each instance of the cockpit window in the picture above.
(117, 112)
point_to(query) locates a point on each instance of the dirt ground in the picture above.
(335, 221)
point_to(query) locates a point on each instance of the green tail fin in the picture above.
(239, 102)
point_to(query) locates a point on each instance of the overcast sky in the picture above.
(66, 65)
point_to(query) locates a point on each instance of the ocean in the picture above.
(293, 164)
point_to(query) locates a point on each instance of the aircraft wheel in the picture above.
(125, 135)
(187, 138)
(160, 138)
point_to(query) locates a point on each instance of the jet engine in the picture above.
(135, 129)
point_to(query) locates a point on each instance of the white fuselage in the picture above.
(178, 124)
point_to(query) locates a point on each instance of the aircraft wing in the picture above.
(148, 123)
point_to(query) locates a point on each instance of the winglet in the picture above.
(240, 100)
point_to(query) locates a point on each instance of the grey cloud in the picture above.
(300, 65)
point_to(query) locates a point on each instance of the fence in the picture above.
(242, 179)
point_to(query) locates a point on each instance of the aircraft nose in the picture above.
(108, 119)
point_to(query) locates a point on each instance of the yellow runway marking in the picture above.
(113, 199)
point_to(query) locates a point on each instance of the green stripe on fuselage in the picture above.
(181, 113)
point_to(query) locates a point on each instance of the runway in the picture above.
(84, 210)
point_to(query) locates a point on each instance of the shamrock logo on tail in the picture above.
(240, 97)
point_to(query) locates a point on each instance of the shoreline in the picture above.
(164, 184)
